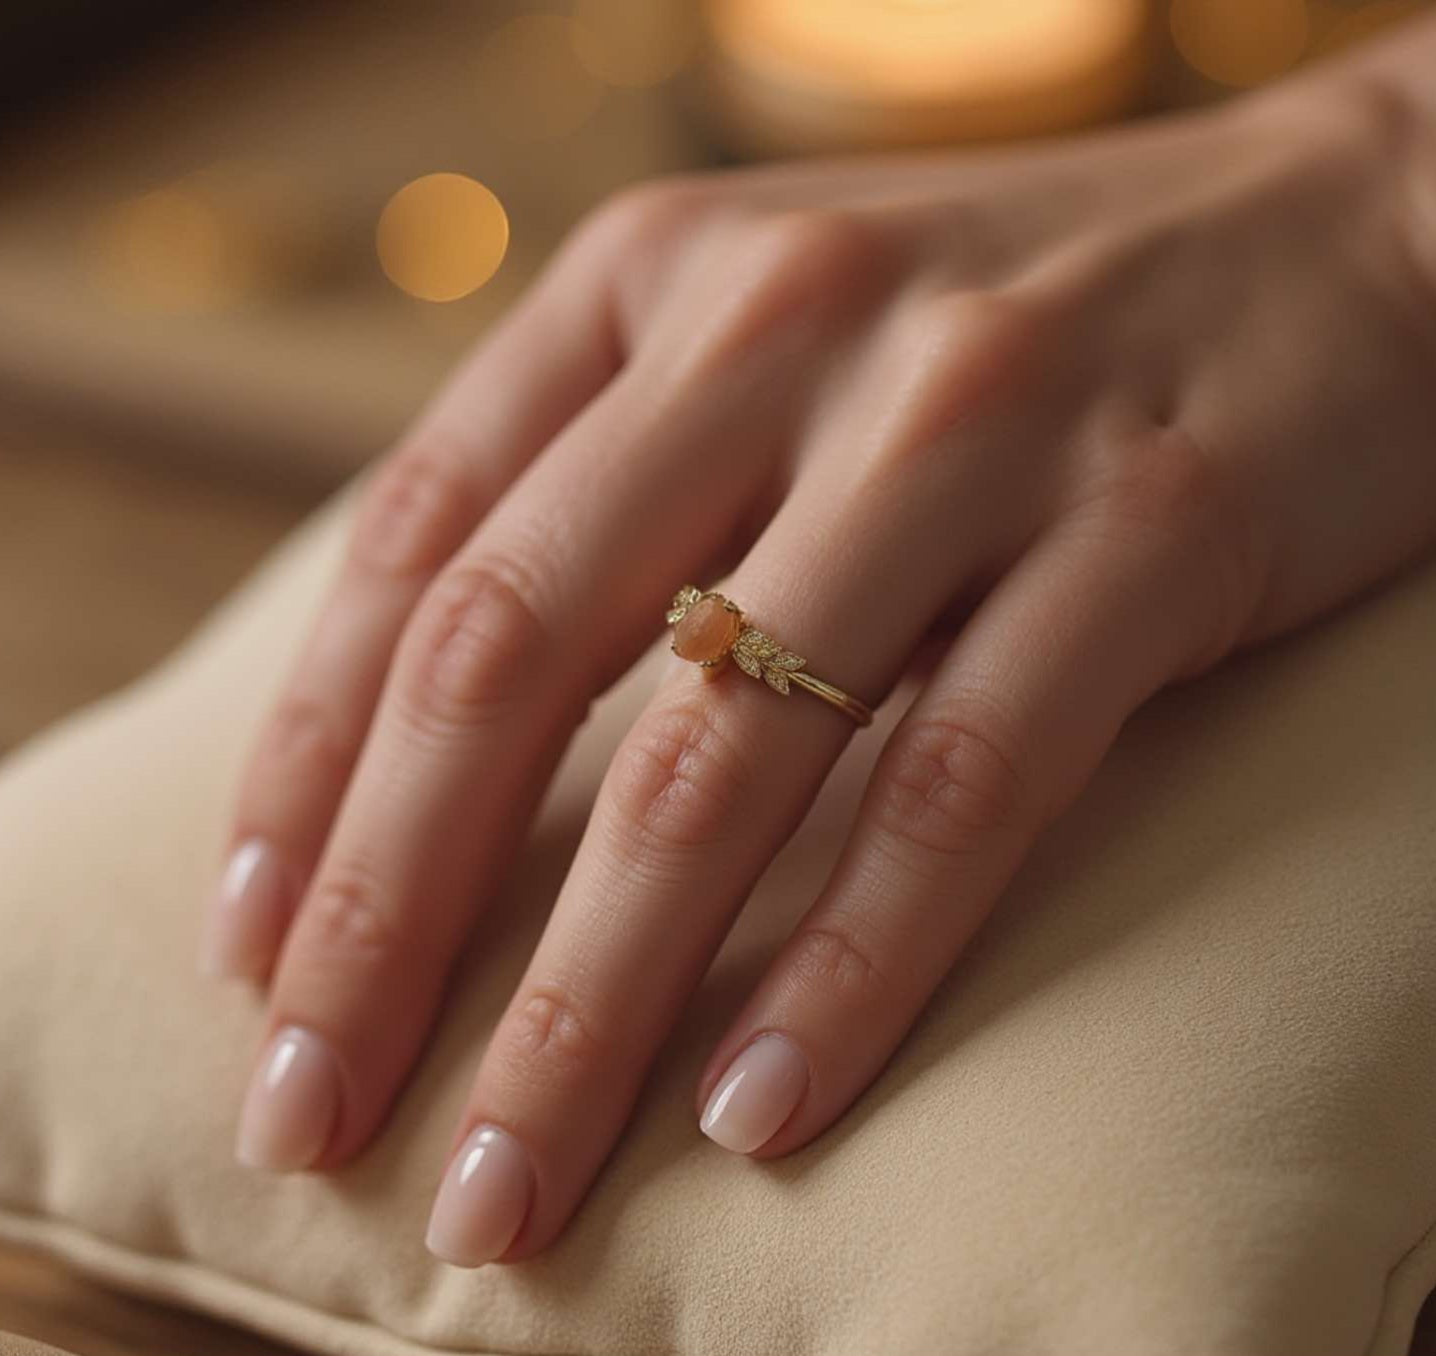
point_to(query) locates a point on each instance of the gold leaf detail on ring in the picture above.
(760, 656)
(682, 601)
(745, 661)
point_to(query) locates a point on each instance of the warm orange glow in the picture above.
(442, 237)
(634, 42)
(168, 248)
(1240, 42)
(221, 236)
(924, 50)
(532, 84)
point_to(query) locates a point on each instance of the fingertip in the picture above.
(292, 1105)
(245, 920)
(483, 1200)
(757, 1094)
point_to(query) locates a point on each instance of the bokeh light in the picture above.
(168, 247)
(442, 237)
(227, 234)
(532, 85)
(935, 51)
(634, 42)
(1355, 25)
(1240, 42)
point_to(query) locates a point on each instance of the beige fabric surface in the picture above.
(1180, 1098)
(13, 1345)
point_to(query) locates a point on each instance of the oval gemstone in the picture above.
(705, 632)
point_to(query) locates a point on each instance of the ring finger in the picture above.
(708, 784)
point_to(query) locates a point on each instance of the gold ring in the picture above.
(707, 628)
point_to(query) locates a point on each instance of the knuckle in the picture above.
(632, 222)
(345, 915)
(837, 962)
(954, 320)
(821, 242)
(1346, 146)
(811, 255)
(789, 271)
(947, 783)
(300, 744)
(547, 1028)
(678, 780)
(633, 238)
(1165, 484)
(416, 509)
(478, 640)
(1181, 507)
(969, 352)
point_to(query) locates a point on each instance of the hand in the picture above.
(1093, 415)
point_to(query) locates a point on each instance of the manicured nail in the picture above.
(292, 1104)
(756, 1095)
(247, 915)
(483, 1200)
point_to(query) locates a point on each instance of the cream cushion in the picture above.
(11, 1344)
(1179, 1098)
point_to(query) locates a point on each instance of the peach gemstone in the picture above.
(705, 632)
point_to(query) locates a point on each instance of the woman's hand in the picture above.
(1093, 415)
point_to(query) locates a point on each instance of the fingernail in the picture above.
(482, 1201)
(292, 1103)
(756, 1095)
(247, 915)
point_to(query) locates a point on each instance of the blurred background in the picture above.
(240, 242)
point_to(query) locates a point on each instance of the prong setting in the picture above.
(709, 628)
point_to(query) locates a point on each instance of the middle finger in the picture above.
(492, 676)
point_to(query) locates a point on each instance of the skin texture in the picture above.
(1073, 422)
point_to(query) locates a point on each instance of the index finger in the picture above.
(526, 380)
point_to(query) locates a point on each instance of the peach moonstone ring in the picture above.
(709, 628)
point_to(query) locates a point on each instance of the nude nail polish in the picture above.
(482, 1201)
(292, 1104)
(756, 1095)
(247, 915)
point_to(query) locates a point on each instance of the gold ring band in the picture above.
(709, 628)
